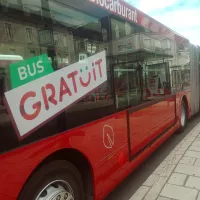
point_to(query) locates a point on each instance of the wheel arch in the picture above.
(79, 160)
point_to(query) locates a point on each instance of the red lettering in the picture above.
(98, 63)
(64, 89)
(51, 98)
(94, 72)
(46, 104)
(36, 106)
(72, 76)
(85, 84)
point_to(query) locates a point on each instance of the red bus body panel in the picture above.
(109, 165)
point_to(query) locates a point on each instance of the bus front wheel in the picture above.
(58, 180)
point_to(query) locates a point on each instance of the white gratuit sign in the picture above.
(35, 103)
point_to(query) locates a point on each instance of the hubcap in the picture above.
(183, 117)
(56, 190)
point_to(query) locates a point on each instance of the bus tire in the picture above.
(183, 117)
(55, 180)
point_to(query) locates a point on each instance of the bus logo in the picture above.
(108, 136)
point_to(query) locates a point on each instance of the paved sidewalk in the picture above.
(178, 176)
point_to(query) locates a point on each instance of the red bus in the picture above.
(88, 90)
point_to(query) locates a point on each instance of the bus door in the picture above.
(154, 114)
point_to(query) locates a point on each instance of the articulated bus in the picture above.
(88, 90)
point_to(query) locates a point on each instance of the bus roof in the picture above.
(140, 18)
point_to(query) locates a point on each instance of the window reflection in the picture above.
(157, 83)
(138, 59)
(66, 35)
(127, 85)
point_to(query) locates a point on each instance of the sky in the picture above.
(183, 16)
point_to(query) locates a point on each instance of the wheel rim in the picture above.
(183, 116)
(56, 190)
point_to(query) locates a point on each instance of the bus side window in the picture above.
(176, 79)
(185, 75)
(127, 85)
(156, 77)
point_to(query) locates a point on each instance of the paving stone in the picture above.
(155, 190)
(140, 193)
(195, 133)
(193, 154)
(198, 197)
(179, 152)
(178, 146)
(196, 143)
(194, 148)
(163, 198)
(181, 142)
(197, 162)
(161, 168)
(193, 182)
(168, 170)
(187, 160)
(197, 127)
(179, 192)
(177, 179)
(170, 157)
(189, 138)
(187, 169)
(151, 180)
(176, 159)
(184, 146)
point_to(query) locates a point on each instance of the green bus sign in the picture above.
(28, 70)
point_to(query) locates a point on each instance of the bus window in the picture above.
(176, 80)
(185, 74)
(72, 36)
(127, 85)
(156, 81)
